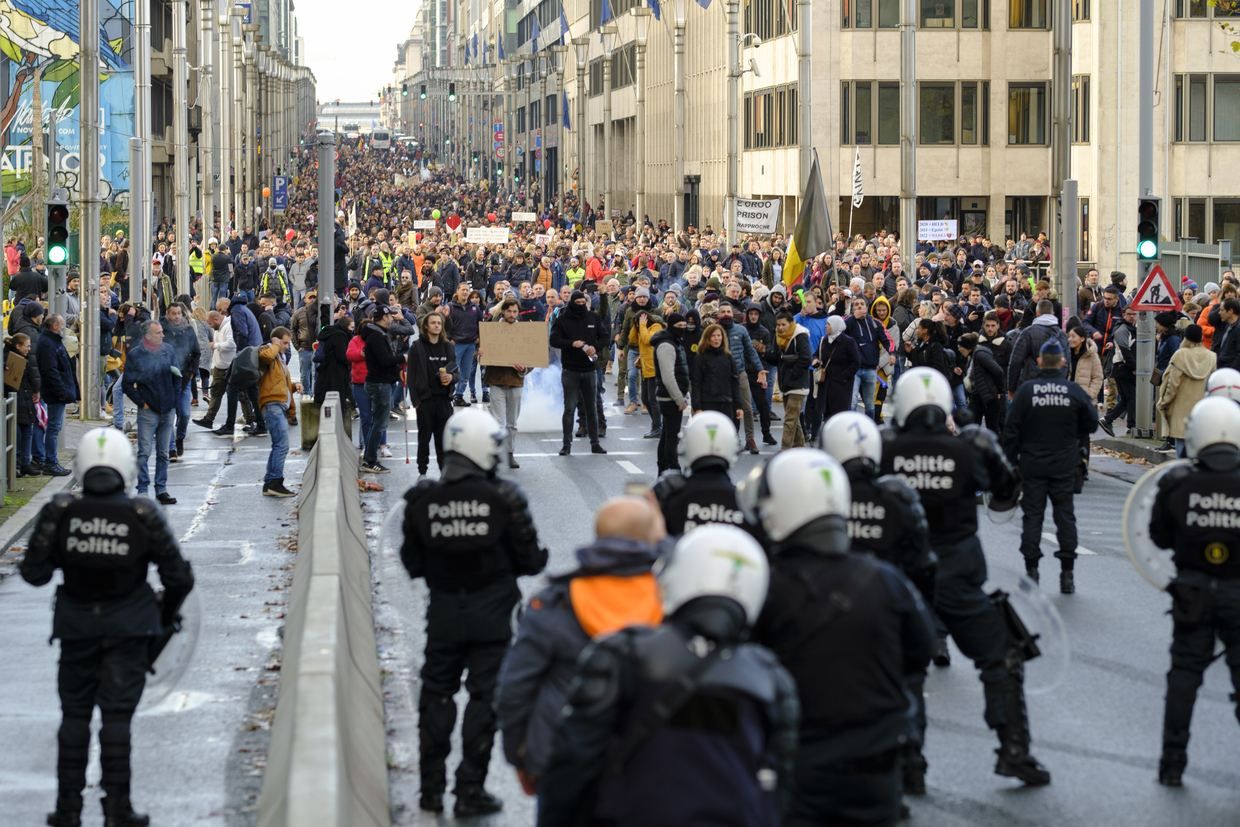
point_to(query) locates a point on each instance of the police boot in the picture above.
(118, 812)
(1014, 758)
(68, 811)
(1171, 767)
(475, 801)
(1067, 580)
(1031, 571)
(913, 770)
(942, 654)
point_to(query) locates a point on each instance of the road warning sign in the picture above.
(1156, 292)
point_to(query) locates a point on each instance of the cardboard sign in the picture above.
(542, 239)
(14, 370)
(523, 343)
(757, 215)
(938, 230)
(425, 224)
(486, 235)
(524, 216)
(604, 228)
(1156, 292)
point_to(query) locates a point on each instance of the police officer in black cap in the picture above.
(707, 495)
(948, 471)
(886, 519)
(1197, 515)
(849, 627)
(471, 536)
(107, 617)
(1048, 421)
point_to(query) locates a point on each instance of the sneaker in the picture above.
(776, 417)
(56, 471)
(597, 449)
(165, 498)
(225, 430)
(276, 488)
(767, 439)
(173, 456)
(473, 400)
(476, 802)
(376, 468)
(652, 435)
(431, 802)
(566, 450)
(203, 423)
(1067, 583)
(751, 447)
(1020, 764)
(631, 409)
(1167, 447)
(486, 396)
(385, 451)
(1105, 425)
(459, 402)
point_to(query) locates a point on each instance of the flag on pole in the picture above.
(655, 9)
(499, 45)
(704, 3)
(812, 234)
(563, 26)
(564, 108)
(858, 187)
(536, 31)
(605, 15)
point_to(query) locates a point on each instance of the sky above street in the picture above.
(351, 46)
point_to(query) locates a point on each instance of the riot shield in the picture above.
(1034, 627)
(1153, 563)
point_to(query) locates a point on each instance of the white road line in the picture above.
(1046, 535)
(629, 467)
(583, 451)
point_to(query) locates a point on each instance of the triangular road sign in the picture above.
(1156, 292)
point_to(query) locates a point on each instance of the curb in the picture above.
(1140, 448)
(15, 527)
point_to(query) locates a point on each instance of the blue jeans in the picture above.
(305, 361)
(154, 431)
(36, 444)
(958, 397)
(380, 396)
(276, 417)
(51, 438)
(465, 361)
(118, 404)
(182, 420)
(363, 413)
(218, 291)
(772, 382)
(25, 438)
(635, 372)
(866, 383)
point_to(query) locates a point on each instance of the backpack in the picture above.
(245, 368)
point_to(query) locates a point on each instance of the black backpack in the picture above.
(245, 368)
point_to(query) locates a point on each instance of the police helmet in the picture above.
(919, 388)
(709, 436)
(1214, 420)
(1224, 382)
(475, 435)
(716, 561)
(852, 435)
(794, 488)
(105, 462)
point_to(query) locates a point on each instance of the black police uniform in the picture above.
(470, 535)
(1197, 515)
(707, 495)
(674, 725)
(849, 628)
(106, 618)
(887, 520)
(947, 471)
(1047, 422)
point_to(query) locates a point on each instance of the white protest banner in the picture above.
(757, 215)
(524, 216)
(937, 230)
(486, 235)
(542, 239)
(425, 224)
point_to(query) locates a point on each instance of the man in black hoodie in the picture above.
(382, 372)
(764, 343)
(579, 334)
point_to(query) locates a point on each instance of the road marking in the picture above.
(629, 467)
(584, 451)
(1079, 549)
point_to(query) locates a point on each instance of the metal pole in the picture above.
(57, 288)
(180, 132)
(88, 243)
(38, 161)
(135, 220)
(607, 209)
(805, 43)
(582, 127)
(1061, 155)
(542, 135)
(640, 133)
(140, 243)
(1145, 172)
(206, 138)
(238, 119)
(327, 225)
(250, 161)
(226, 118)
(732, 13)
(678, 113)
(908, 132)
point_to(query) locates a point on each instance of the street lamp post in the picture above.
(641, 20)
(607, 36)
(558, 53)
(581, 46)
(510, 118)
(206, 140)
(679, 18)
(908, 131)
(732, 11)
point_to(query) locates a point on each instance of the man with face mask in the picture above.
(764, 343)
(579, 334)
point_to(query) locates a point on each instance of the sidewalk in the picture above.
(1146, 449)
(198, 757)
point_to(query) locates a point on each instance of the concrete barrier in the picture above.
(327, 762)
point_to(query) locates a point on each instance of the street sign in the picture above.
(1156, 292)
(279, 193)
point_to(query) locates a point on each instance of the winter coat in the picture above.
(333, 371)
(382, 360)
(305, 328)
(1088, 369)
(1184, 384)
(356, 354)
(986, 377)
(645, 349)
(1023, 365)
(713, 380)
(244, 324)
(841, 359)
(59, 380)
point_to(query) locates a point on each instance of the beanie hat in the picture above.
(713, 283)
(1211, 288)
(1051, 347)
(1167, 318)
(1193, 334)
(642, 292)
(674, 318)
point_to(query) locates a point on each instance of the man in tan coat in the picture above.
(1184, 383)
(275, 401)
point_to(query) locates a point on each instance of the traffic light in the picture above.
(474, 157)
(57, 233)
(1147, 229)
(451, 91)
(404, 90)
(422, 92)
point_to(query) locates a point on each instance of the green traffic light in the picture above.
(1147, 249)
(57, 255)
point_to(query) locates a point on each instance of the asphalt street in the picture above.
(1098, 730)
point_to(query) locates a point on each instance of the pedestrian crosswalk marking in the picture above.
(1079, 549)
(629, 467)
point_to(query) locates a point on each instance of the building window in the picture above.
(1190, 107)
(596, 77)
(535, 113)
(874, 115)
(624, 66)
(771, 118)
(769, 18)
(1196, 219)
(1083, 252)
(1080, 10)
(937, 113)
(1222, 9)
(1227, 107)
(1227, 222)
(618, 8)
(1080, 109)
(975, 107)
(552, 106)
(521, 120)
(1027, 113)
(866, 14)
(951, 14)
(1027, 14)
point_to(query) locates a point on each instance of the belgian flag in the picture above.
(812, 234)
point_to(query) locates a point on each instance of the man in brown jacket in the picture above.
(275, 400)
(506, 383)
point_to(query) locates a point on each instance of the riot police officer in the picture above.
(1224, 382)
(886, 519)
(1197, 515)
(107, 616)
(838, 622)
(707, 495)
(947, 470)
(470, 535)
(1048, 424)
(685, 722)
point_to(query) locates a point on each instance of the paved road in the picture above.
(1098, 731)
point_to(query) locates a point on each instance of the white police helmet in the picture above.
(795, 488)
(475, 435)
(852, 435)
(716, 560)
(106, 449)
(919, 387)
(1214, 420)
(1224, 382)
(709, 434)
